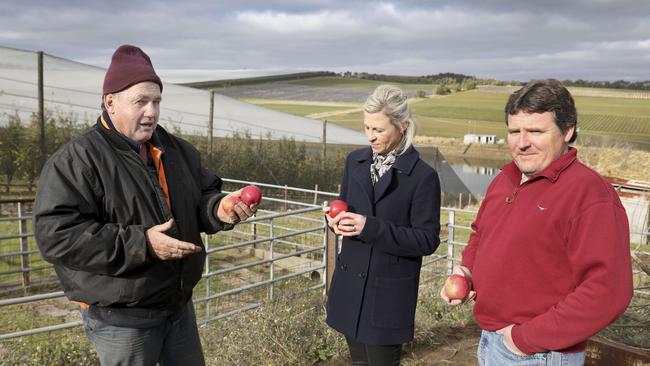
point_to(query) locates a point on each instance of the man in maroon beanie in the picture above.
(119, 213)
(549, 255)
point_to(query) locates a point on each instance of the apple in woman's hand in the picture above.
(336, 207)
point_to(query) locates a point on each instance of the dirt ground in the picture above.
(446, 346)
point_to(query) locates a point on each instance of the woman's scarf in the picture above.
(381, 164)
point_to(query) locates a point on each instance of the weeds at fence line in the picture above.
(53, 349)
(288, 331)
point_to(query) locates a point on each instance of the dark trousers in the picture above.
(369, 355)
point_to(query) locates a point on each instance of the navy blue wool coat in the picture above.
(374, 289)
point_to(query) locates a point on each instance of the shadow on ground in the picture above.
(443, 346)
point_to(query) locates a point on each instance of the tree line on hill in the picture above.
(618, 84)
(449, 78)
(446, 78)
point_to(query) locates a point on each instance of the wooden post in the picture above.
(324, 153)
(41, 110)
(316, 193)
(24, 245)
(460, 199)
(211, 126)
(331, 249)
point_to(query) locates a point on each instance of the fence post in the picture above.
(41, 112)
(324, 152)
(206, 245)
(210, 126)
(286, 197)
(271, 268)
(450, 240)
(316, 193)
(331, 249)
(254, 232)
(24, 245)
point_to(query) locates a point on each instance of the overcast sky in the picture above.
(507, 40)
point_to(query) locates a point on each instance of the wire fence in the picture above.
(73, 89)
(287, 243)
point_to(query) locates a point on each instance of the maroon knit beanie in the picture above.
(129, 66)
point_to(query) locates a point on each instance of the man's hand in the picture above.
(165, 247)
(465, 272)
(507, 340)
(231, 212)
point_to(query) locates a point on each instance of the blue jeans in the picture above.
(493, 352)
(174, 342)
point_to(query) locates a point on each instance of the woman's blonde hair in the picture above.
(392, 102)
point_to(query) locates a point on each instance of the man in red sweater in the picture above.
(549, 256)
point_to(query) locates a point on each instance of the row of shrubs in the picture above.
(243, 156)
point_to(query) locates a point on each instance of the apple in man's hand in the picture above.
(456, 287)
(336, 207)
(251, 195)
(229, 202)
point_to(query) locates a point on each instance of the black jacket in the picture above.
(374, 289)
(95, 201)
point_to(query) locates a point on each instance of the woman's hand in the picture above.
(350, 223)
(345, 223)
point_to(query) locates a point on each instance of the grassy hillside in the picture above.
(602, 120)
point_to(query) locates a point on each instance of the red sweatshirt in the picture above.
(551, 255)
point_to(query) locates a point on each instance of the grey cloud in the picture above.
(590, 39)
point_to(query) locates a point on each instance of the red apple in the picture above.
(456, 287)
(336, 207)
(251, 195)
(228, 202)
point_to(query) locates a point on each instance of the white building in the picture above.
(481, 139)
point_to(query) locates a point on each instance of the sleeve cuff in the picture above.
(212, 222)
(370, 232)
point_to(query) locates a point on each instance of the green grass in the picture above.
(431, 126)
(473, 112)
(617, 118)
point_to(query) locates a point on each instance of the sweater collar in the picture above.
(552, 172)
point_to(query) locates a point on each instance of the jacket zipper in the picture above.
(162, 204)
